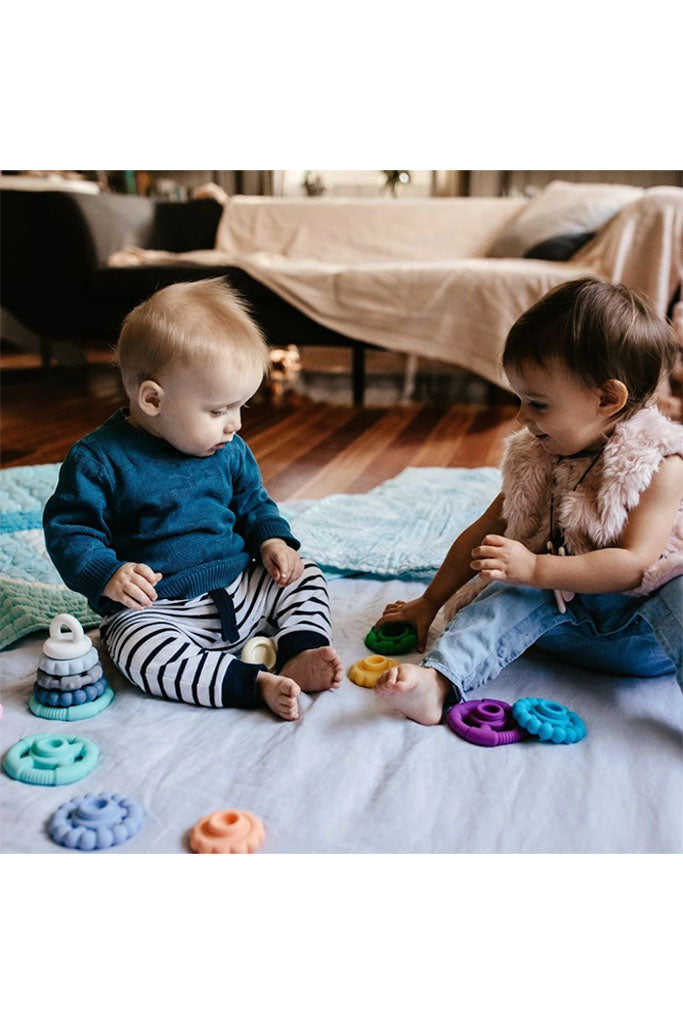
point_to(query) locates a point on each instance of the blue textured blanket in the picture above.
(403, 528)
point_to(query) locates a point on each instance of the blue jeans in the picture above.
(635, 636)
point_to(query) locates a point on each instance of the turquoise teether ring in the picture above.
(65, 698)
(50, 759)
(95, 821)
(68, 666)
(76, 713)
(392, 638)
(76, 682)
(550, 721)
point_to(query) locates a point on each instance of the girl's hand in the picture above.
(500, 558)
(420, 612)
(281, 561)
(133, 585)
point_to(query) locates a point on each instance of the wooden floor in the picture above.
(305, 449)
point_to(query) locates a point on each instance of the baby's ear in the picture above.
(613, 397)
(150, 395)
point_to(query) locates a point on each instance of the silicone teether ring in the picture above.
(260, 650)
(548, 720)
(227, 832)
(50, 759)
(367, 671)
(69, 666)
(65, 698)
(392, 638)
(95, 821)
(488, 723)
(75, 682)
(76, 713)
(71, 644)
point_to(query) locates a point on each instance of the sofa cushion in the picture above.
(558, 221)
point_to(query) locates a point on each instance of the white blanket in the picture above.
(351, 776)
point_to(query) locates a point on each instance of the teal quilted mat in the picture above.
(402, 528)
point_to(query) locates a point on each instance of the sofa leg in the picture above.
(358, 352)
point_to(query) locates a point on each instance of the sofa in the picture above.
(439, 278)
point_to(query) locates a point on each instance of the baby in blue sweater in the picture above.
(161, 520)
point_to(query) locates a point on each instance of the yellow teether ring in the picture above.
(260, 650)
(367, 671)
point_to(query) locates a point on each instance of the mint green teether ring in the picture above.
(392, 638)
(50, 759)
(75, 713)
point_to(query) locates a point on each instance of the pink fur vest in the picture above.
(594, 515)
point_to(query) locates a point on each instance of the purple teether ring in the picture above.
(488, 723)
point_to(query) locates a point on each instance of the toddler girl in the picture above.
(160, 519)
(596, 474)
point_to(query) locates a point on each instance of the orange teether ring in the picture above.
(227, 832)
(367, 671)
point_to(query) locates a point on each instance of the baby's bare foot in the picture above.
(419, 693)
(316, 669)
(280, 694)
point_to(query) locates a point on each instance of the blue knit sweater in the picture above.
(126, 496)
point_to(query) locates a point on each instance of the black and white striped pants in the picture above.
(186, 650)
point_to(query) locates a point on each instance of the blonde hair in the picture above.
(186, 322)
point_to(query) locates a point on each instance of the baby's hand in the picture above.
(500, 558)
(132, 585)
(281, 561)
(420, 612)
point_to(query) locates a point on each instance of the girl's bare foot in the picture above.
(280, 694)
(316, 669)
(418, 692)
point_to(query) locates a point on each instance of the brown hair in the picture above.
(599, 331)
(183, 323)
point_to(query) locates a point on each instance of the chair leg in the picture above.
(358, 353)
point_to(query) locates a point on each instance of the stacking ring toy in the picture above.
(227, 832)
(95, 821)
(392, 638)
(69, 666)
(367, 671)
(488, 723)
(75, 713)
(260, 650)
(65, 698)
(75, 682)
(551, 722)
(50, 759)
(71, 644)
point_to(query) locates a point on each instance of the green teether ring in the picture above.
(75, 713)
(50, 759)
(392, 638)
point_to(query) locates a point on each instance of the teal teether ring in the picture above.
(75, 713)
(50, 759)
(392, 638)
(550, 721)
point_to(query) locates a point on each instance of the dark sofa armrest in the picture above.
(184, 227)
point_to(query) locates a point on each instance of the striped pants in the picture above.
(186, 650)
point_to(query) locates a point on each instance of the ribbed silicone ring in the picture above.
(95, 821)
(50, 759)
(77, 713)
(550, 721)
(68, 666)
(392, 638)
(227, 832)
(488, 723)
(76, 682)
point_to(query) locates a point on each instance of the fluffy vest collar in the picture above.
(594, 514)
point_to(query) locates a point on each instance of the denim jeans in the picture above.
(636, 636)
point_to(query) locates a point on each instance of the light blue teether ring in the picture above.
(69, 666)
(550, 721)
(76, 713)
(50, 759)
(95, 821)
